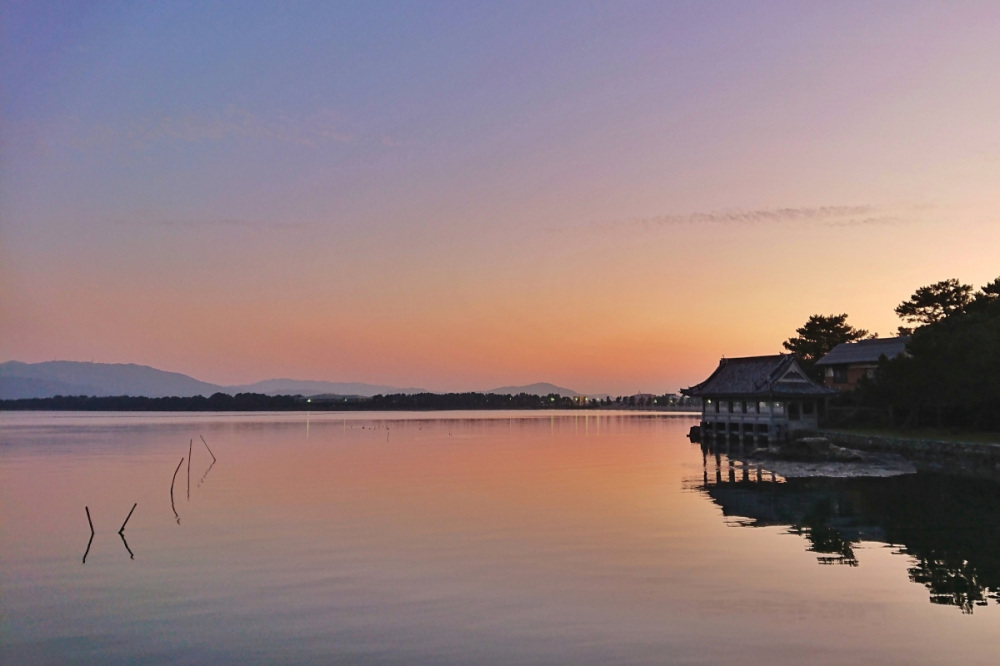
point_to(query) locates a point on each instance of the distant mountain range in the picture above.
(309, 387)
(44, 380)
(541, 388)
(51, 378)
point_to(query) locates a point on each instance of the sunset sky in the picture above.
(458, 196)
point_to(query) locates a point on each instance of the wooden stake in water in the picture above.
(190, 444)
(206, 446)
(89, 543)
(127, 517)
(172, 491)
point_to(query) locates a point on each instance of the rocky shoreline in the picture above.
(837, 453)
(819, 456)
(967, 458)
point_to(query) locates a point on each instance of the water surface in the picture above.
(456, 538)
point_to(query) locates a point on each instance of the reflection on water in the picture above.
(457, 538)
(131, 555)
(949, 527)
(90, 543)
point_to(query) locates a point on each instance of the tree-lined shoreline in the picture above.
(256, 402)
(947, 378)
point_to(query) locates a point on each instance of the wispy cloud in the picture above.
(826, 216)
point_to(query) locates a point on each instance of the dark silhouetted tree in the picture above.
(986, 298)
(950, 375)
(818, 336)
(935, 302)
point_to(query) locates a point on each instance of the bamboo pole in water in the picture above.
(206, 446)
(172, 490)
(127, 517)
(89, 543)
(190, 444)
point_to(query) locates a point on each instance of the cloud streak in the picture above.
(821, 216)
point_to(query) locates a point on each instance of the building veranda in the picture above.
(759, 400)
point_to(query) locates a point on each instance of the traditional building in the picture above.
(848, 362)
(759, 399)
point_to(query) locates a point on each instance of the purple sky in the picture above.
(607, 196)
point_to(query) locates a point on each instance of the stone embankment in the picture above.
(969, 458)
(818, 456)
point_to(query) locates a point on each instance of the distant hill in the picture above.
(541, 388)
(45, 380)
(312, 388)
(72, 378)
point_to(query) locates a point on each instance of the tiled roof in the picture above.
(758, 376)
(865, 351)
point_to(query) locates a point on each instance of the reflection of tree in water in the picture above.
(952, 585)
(950, 526)
(816, 527)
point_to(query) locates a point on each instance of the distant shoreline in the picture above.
(255, 402)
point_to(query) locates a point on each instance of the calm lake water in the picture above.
(467, 538)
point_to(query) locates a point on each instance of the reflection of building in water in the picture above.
(759, 399)
(950, 526)
(756, 497)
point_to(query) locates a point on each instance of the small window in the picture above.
(793, 411)
(840, 374)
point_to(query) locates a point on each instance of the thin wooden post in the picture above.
(172, 491)
(127, 517)
(87, 552)
(206, 446)
(190, 444)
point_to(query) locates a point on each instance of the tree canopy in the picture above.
(950, 375)
(818, 336)
(935, 302)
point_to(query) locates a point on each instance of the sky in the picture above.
(463, 195)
